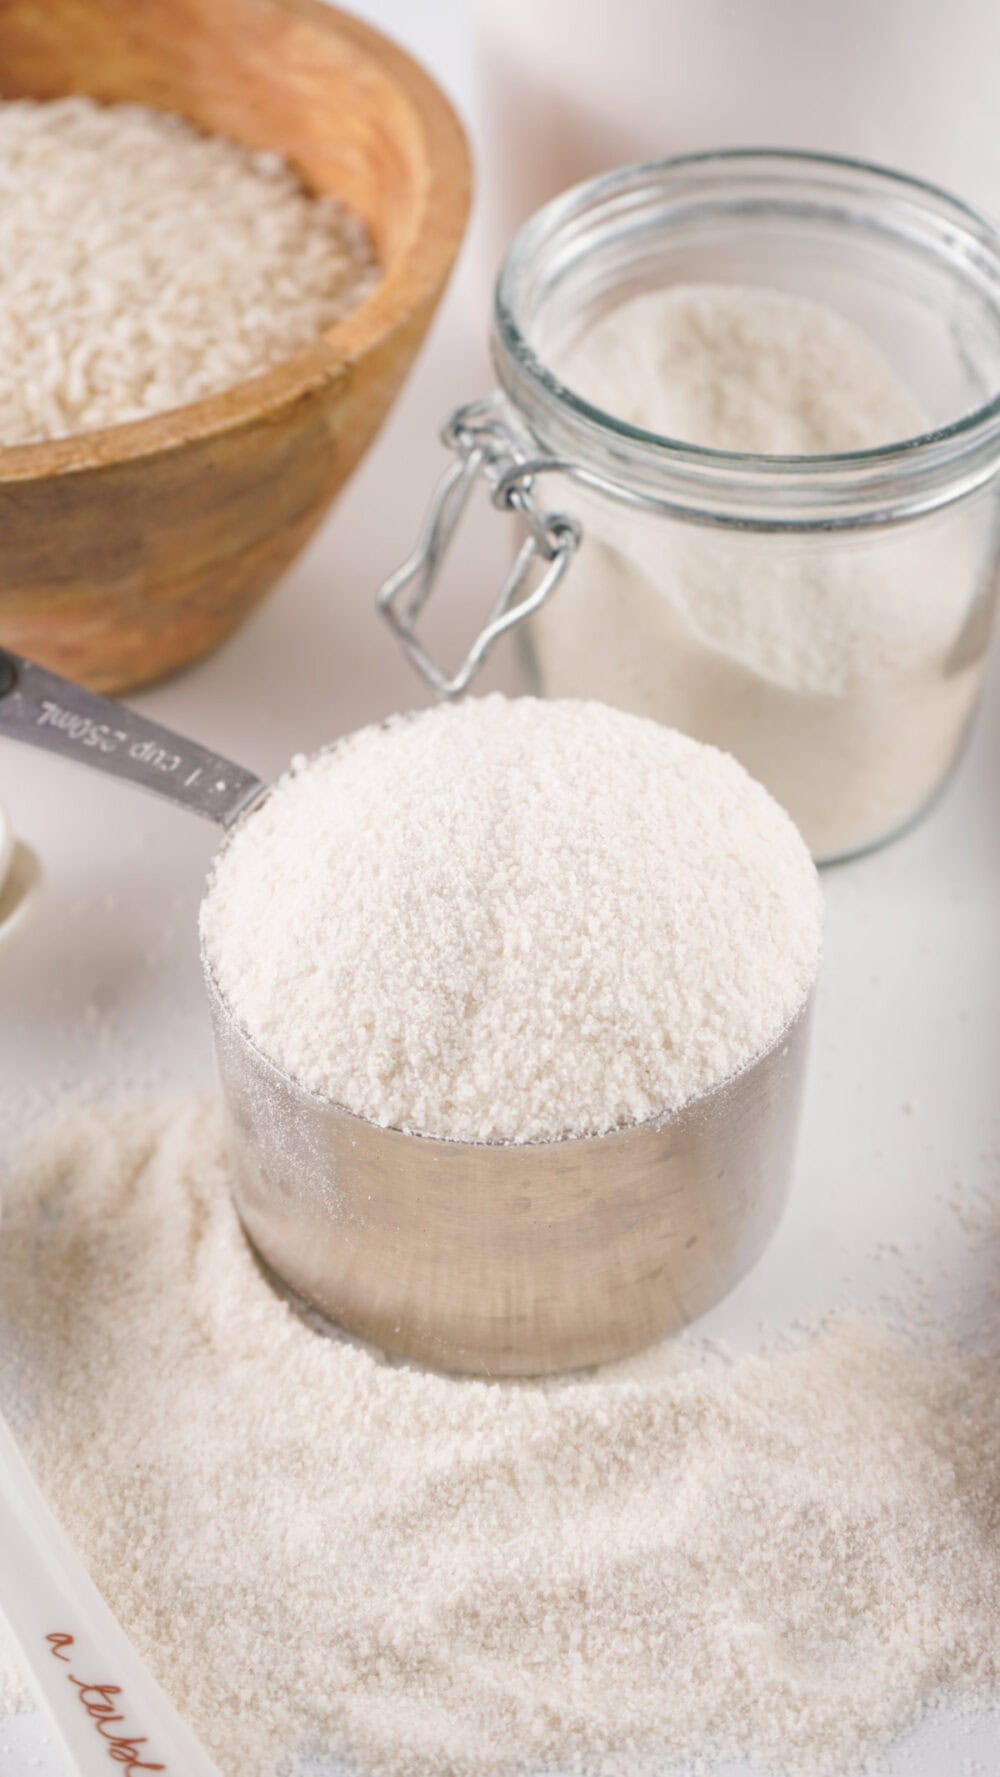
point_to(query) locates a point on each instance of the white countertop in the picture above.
(903, 1111)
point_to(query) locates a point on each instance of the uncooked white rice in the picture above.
(144, 265)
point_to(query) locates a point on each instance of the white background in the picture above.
(101, 977)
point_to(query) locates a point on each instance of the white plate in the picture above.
(6, 845)
(20, 873)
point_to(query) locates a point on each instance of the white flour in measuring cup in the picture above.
(514, 920)
(830, 667)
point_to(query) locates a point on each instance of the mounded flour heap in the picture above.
(792, 1554)
(745, 368)
(145, 265)
(822, 662)
(514, 921)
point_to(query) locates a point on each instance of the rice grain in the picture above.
(144, 265)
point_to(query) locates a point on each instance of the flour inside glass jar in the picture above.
(834, 673)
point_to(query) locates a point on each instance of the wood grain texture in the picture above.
(128, 552)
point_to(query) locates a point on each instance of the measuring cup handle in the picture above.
(52, 713)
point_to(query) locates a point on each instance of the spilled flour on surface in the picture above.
(790, 1555)
(978, 1211)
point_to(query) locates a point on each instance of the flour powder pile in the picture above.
(827, 662)
(791, 1555)
(145, 265)
(514, 921)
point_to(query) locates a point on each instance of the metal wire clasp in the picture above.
(485, 445)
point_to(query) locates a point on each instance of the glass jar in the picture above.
(858, 589)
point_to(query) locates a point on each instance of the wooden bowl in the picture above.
(129, 551)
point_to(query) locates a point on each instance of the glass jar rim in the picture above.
(894, 481)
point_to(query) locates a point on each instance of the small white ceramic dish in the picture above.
(6, 846)
(20, 873)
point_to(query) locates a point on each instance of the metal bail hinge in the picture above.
(485, 446)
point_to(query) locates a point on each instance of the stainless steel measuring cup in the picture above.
(491, 1258)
